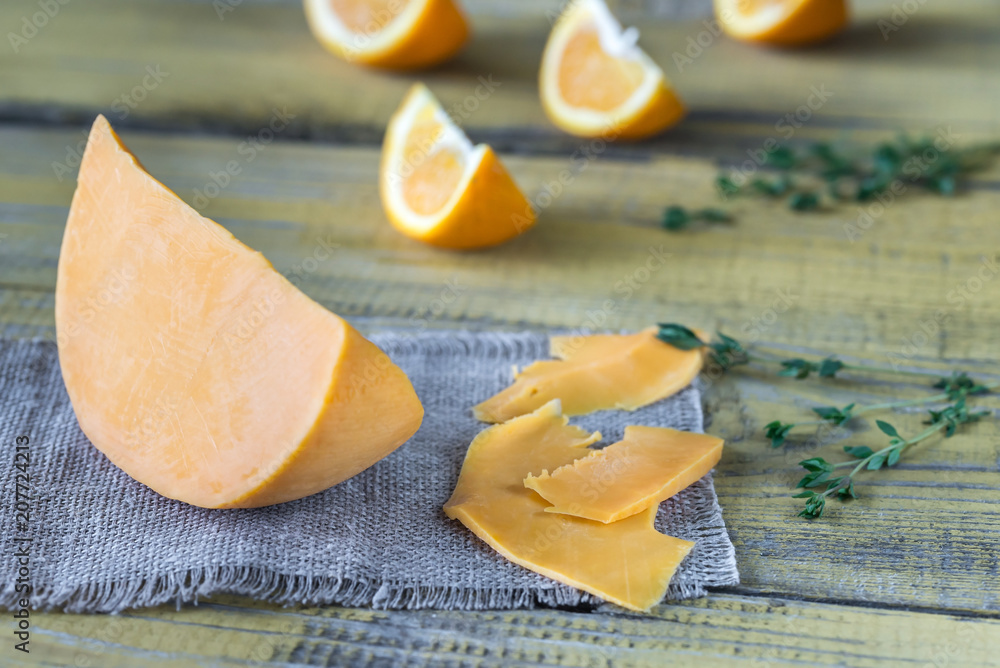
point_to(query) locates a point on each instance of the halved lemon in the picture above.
(595, 81)
(781, 22)
(395, 34)
(438, 188)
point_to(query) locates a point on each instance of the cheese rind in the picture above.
(600, 372)
(648, 466)
(197, 368)
(628, 563)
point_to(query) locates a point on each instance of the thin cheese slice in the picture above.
(600, 372)
(648, 466)
(628, 562)
(197, 368)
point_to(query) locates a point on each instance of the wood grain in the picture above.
(940, 513)
(907, 575)
(230, 74)
(924, 533)
(722, 630)
(775, 274)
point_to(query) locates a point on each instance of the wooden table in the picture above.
(908, 575)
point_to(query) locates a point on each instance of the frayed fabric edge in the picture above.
(288, 590)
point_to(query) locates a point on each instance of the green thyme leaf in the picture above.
(859, 451)
(776, 431)
(714, 216)
(829, 367)
(861, 174)
(959, 385)
(797, 368)
(804, 201)
(887, 428)
(726, 186)
(847, 492)
(814, 507)
(676, 218)
(876, 462)
(728, 352)
(678, 336)
(781, 157)
(816, 464)
(837, 416)
(894, 456)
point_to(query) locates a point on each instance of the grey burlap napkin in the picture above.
(102, 542)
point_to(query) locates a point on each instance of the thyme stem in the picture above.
(728, 353)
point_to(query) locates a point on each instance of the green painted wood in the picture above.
(937, 514)
(916, 288)
(722, 630)
(595, 243)
(231, 74)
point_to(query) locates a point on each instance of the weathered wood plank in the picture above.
(723, 629)
(861, 298)
(595, 243)
(926, 532)
(231, 74)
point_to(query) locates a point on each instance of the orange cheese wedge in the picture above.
(648, 466)
(627, 562)
(198, 369)
(600, 372)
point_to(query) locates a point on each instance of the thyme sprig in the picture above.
(959, 385)
(678, 218)
(820, 472)
(777, 431)
(726, 352)
(932, 164)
